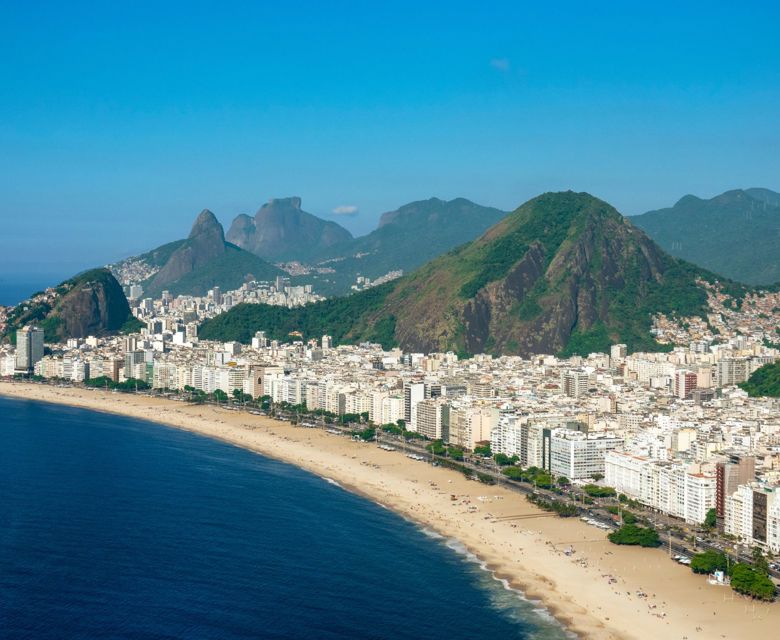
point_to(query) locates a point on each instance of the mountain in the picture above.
(736, 234)
(205, 243)
(202, 261)
(564, 273)
(281, 230)
(408, 238)
(91, 303)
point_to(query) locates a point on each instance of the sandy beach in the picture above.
(599, 591)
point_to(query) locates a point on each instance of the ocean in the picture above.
(12, 292)
(113, 527)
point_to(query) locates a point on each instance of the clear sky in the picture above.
(119, 122)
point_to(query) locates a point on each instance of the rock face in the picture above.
(734, 234)
(205, 243)
(91, 303)
(281, 230)
(95, 305)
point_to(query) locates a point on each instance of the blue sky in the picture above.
(119, 122)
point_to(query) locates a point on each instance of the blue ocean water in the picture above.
(13, 292)
(117, 528)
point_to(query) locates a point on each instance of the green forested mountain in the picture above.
(735, 234)
(91, 303)
(202, 261)
(406, 239)
(565, 272)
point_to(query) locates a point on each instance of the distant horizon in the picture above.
(120, 123)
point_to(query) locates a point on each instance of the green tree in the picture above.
(759, 561)
(513, 473)
(367, 435)
(456, 453)
(631, 534)
(437, 448)
(595, 491)
(503, 460)
(748, 581)
(708, 562)
(563, 509)
(710, 520)
(483, 449)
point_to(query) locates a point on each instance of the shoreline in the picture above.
(592, 593)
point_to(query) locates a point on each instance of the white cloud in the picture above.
(346, 210)
(502, 64)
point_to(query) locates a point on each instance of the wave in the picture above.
(432, 534)
(536, 606)
(332, 481)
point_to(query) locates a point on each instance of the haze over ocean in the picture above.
(114, 527)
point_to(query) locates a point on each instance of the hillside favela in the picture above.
(477, 337)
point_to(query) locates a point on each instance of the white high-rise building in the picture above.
(577, 455)
(506, 437)
(414, 392)
(671, 487)
(429, 423)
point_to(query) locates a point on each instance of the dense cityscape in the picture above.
(672, 431)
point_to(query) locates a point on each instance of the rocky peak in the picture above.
(281, 230)
(206, 223)
(293, 202)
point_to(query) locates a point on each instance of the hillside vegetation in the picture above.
(337, 317)
(564, 273)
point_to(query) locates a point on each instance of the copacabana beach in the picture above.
(598, 590)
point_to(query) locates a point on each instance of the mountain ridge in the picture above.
(735, 233)
(202, 260)
(408, 237)
(563, 273)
